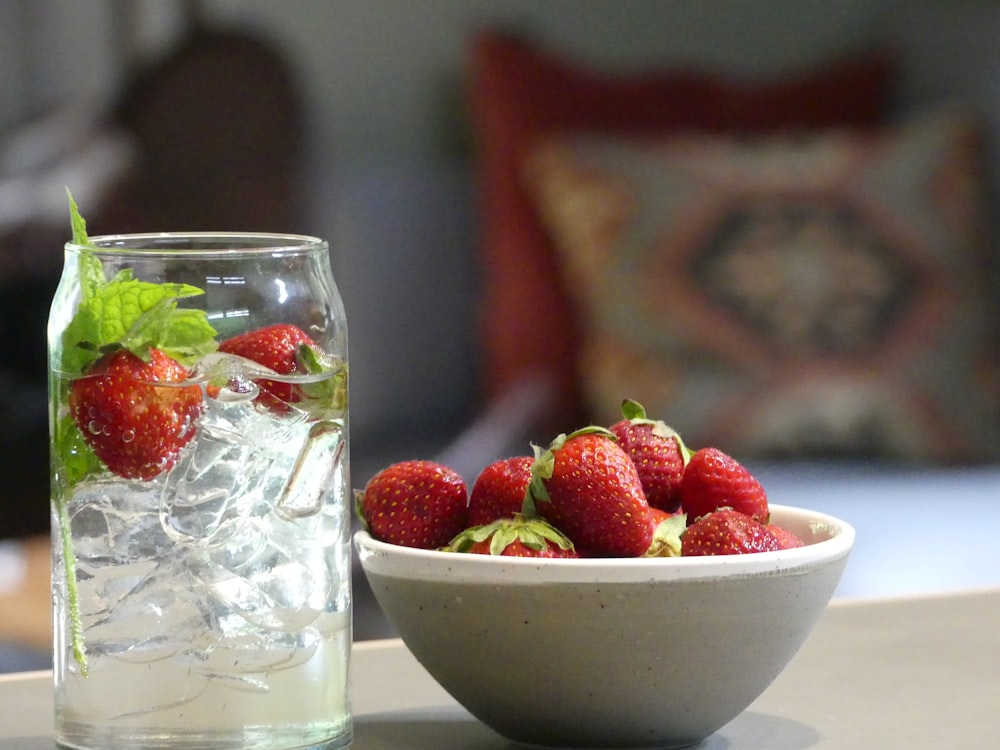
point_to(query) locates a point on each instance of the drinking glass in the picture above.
(200, 494)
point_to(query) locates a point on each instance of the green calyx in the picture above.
(359, 509)
(533, 532)
(329, 392)
(536, 491)
(667, 537)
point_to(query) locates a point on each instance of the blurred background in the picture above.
(354, 120)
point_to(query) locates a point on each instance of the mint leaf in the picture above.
(77, 459)
(189, 336)
(151, 318)
(138, 310)
(138, 315)
(77, 223)
(91, 274)
(79, 347)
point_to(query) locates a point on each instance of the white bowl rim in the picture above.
(434, 565)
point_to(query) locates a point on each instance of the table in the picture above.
(913, 673)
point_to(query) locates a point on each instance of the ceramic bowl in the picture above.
(609, 653)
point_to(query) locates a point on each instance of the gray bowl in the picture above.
(609, 653)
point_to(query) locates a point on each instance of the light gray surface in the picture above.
(910, 673)
(919, 530)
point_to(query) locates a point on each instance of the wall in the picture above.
(384, 83)
(389, 174)
(380, 72)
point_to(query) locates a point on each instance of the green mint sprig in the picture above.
(125, 312)
(118, 313)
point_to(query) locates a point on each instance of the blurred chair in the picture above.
(217, 127)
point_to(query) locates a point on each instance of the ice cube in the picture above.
(149, 612)
(219, 476)
(113, 522)
(236, 657)
(315, 472)
(276, 588)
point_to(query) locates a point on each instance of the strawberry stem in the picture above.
(73, 594)
(632, 410)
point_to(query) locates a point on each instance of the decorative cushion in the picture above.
(823, 294)
(520, 90)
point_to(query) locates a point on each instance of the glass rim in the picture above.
(200, 244)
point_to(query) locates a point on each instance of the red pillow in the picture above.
(519, 92)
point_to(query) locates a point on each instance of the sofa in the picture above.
(799, 270)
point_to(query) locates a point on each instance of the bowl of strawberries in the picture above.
(612, 589)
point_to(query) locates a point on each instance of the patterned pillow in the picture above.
(821, 295)
(520, 88)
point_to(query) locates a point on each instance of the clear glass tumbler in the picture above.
(200, 494)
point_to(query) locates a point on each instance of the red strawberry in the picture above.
(133, 424)
(517, 536)
(498, 491)
(658, 453)
(727, 532)
(415, 504)
(276, 347)
(785, 538)
(588, 488)
(713, 480)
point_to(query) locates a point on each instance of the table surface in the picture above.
(914, 673)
